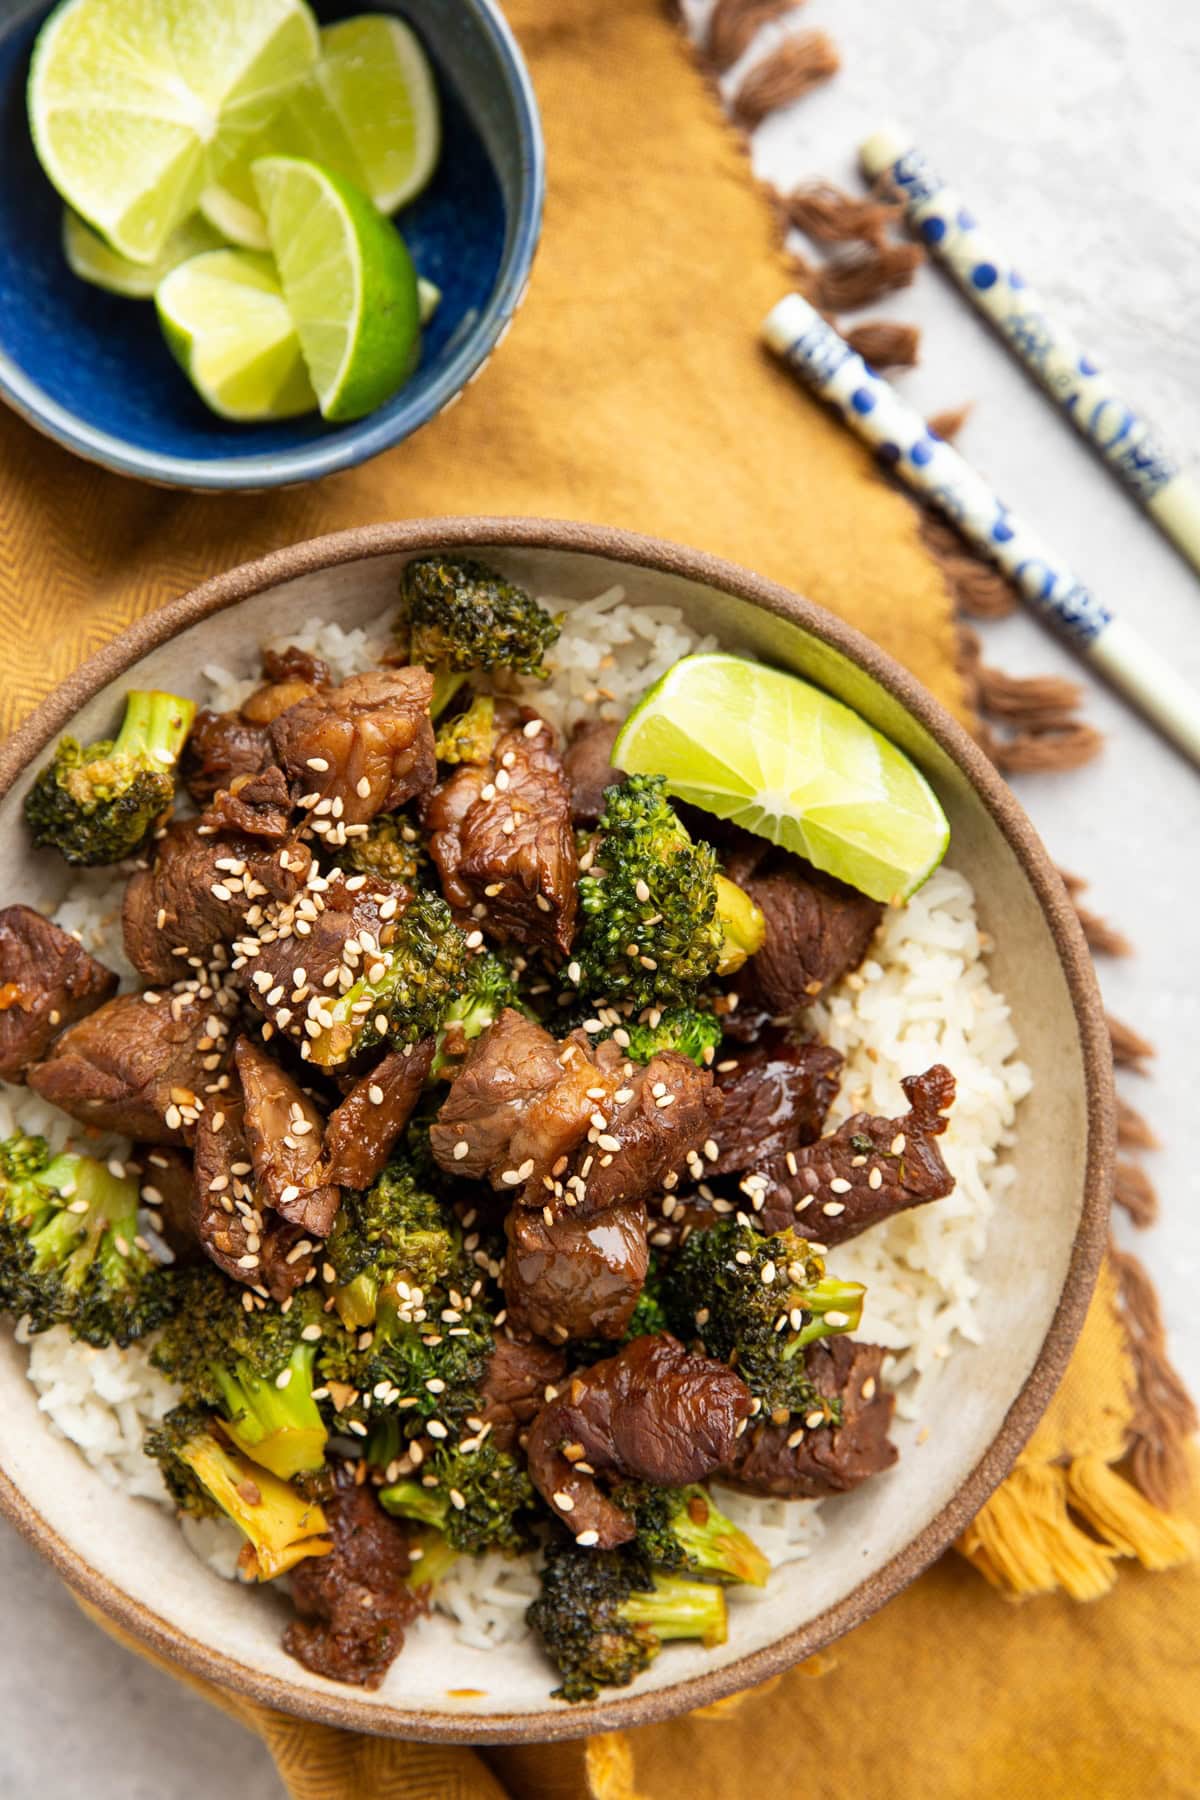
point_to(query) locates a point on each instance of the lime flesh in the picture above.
(790, 763)
(89, 257)
(349, 283)
(225, 319)
(136, 105)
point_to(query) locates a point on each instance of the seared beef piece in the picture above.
(47, 981)
(350, 906)
(294, 664)
(200, 886)
(571, 1125)
(653, 1412)
(776, 1098)
(284, 1130)
(588, 769)
(142, 1064)
(832, 1458)
(289, 676)
(256, 805)
(367, 743)
(507, 1068)
(354, 1604)
(817, 928)
(501, 837)
(250, 1245)
(362, 1131)
(889, 1164)
(167, 1186)
(514, 1387)
(575, 1277)
(220, 748)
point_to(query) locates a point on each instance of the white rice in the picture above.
(923, 996)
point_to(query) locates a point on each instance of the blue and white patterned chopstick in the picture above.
(1047, 347)
(901, 438)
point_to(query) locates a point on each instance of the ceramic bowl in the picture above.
(91, 369)
(1044, 1247)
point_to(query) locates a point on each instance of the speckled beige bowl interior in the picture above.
(1036, 1276)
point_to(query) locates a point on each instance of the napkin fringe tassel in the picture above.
(608, 1764)
(1164, 1414)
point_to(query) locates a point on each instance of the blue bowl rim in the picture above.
(309, 462)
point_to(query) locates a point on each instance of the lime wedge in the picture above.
(227, 324)
(429, 298)
(94, 260)
(135, 108)
(368, 111)
(791, 764)
(349, 282)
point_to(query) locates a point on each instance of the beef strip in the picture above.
(776, 1097)
(255, 805)
(575, 1277)
(289, 676)
(250, 1244)
(500, 834)
(507, 1068)
(515, 1387)
(653, 1412)
(366, 746)
(867, 1170)
(196, 894)
(221, 747)
(663, 1113)
(167, 1186)
(355, 1603)
(284, 1130)
(817, 928)
(294, 664)
(47, 982)
(588, 768)
(831, 1459)
(142, 1064)
(362, 1131)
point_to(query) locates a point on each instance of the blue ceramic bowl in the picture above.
(91, 370)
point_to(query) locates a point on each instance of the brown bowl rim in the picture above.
(341, 1707)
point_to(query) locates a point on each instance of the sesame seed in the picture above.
(436, 1429)
(814, 1419)
(508, 759)
(291, 1192)
(502, 779)
(664, 1100)
(875, 1178)
(833, 1208)
(362, 787)
(897, 1144)
(509, 825)
(564, 1501)
(575, 975)
(493, 888)
(461, 1149)
(869, 1387)
(767, 1273)
(837, 1319)
(531, 730)
(474, 940)
(641, 890)
(510, 1177)
(797, 1437)
(318, 763)
(606, 1141)
(839, 1185)
(173, 1117)
(375, 1094)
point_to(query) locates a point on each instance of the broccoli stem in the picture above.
(743, 924)
(432, 1557)
(99, 1214)
(678, 1608)
(280, 1428)
(716, 1544)
(409, 1500)
(446, 683)
(155, 724)
(357, 1302)
(836, 1306)
(281, 1526)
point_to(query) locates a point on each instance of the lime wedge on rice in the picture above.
(349, 283)
(368, 110)
(791, 764)
(135, 108)
(94, 260)
(227, 323)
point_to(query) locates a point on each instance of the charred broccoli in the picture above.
(409, 984)
(684, 1529)
(254, 1367)
(390, 849)
(478, 1499)
(462, 616)
(97, 805)
(756, 1302)
(470, 736)
(682, 1028)
(70, 1253)
(602, 1617)
(396, 1230)
(657, 919)
(491, 985)
(205, 1476)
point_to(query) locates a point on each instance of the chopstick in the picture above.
(903, 441)
(1047, 347)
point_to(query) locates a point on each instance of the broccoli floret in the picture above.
(479, 1500)
(424, 967)
(492, 984)
(654, 910)
(396, 1230)
(205, 1476)
(470, 736)
(255, 1367)
(97, 805)
(602, 1617)
(682, 1028)
(431, 1557)
(390, 849)
(685, 1530)
(461, 616)
(756, 1302)
(69, 1248)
